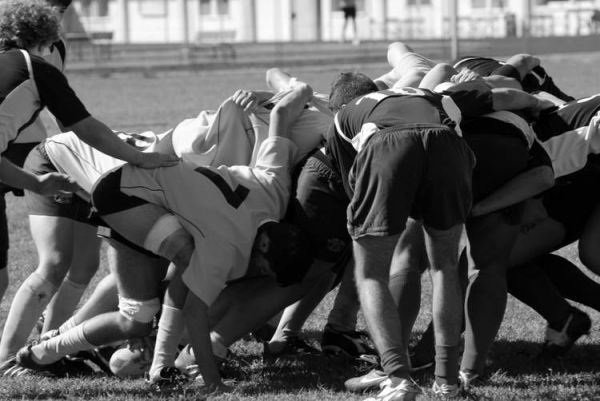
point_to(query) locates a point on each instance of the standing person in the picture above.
(29, 137)
(28, 29)
(348, 7)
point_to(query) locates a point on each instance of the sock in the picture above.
(530, 285)
(27, 305)
(570, 281)
(63, 303)
(170, 330)
(446, 362)
(405, 288)
(68, 325)
(57, 347)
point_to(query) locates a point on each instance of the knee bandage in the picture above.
(139, 311)
(167, 237)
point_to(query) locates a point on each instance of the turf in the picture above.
(137, 103)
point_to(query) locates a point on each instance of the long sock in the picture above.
(530, 285)
(170, 330)
(27, 305)
(570, 281)
(64, 344)
(68, 325)
(405, 288)
(63, 304)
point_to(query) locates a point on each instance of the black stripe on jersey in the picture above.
(59, 45)
(13, 70)
(234, 197)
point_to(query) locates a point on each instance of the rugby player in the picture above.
(376, 231)
(265, 188)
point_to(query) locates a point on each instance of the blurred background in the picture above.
(196, 31)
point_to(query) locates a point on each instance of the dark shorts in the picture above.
(320, 208)
(16, 153)
(72, 207)
(107, 198)
(418, 170)
(349, 12)
(573, 199)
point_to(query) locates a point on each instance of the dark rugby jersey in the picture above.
(570, 133)
(364, 116)
(28, 84)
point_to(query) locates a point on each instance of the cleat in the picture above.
(99, 357)
(446, 391)
(558, 343)
(62, 368)
(468, 379)
(294, 347)
(351, 344)
(397, 389)
(167, 379)
(48, 335)
(367, 381)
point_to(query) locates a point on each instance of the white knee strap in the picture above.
(139, 311)
(167, 237)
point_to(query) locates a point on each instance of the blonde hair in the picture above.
(26, 24)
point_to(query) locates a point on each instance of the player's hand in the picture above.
(541, 105)
(247, 100)
(465, 75)
(55, 184)
(155, 159)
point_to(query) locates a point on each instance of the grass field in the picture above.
(137, 103)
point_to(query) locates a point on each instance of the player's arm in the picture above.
(196, 312)
(278, 80)
(514, 99)
(288, 109)
(47, 184)
(62, 101)
(537, 179)
(522, 63)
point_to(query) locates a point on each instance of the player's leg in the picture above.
(3, 249)
(138, 277)
(84, 264)
(408, 68)
(438, 74)
(53, 238)
(589, 251)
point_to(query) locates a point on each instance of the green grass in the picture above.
(136, 103)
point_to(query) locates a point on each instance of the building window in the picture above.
(418, 2)
(487, 3)
(214, 7)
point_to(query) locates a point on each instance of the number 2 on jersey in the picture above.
(233, 197)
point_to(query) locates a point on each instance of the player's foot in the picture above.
(61, 368)
(48, 335)
(468, 379)
(371, 379)
(351, 344)
(100, 357)
(558, 343)
(293, 346)
(397, 389)
(166, 379)
(446, 391)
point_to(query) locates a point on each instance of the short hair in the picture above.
(25, 24)
(290, 254)
(347, 87)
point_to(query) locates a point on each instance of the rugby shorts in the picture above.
(418, 170)
(69, 206)
(319, 208)
(573, 199)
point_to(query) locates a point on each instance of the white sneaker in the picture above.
(371, 379)
(397, 389)
(446, 391)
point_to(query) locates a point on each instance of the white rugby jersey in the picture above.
(229, 137)
(221, 207)
(85, 164)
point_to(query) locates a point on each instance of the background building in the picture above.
(205, 21)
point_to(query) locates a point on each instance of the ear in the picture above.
(263, 242)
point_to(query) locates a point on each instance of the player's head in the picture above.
(28, 24)
(286, 249)
(61, 5)
(347, 87)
